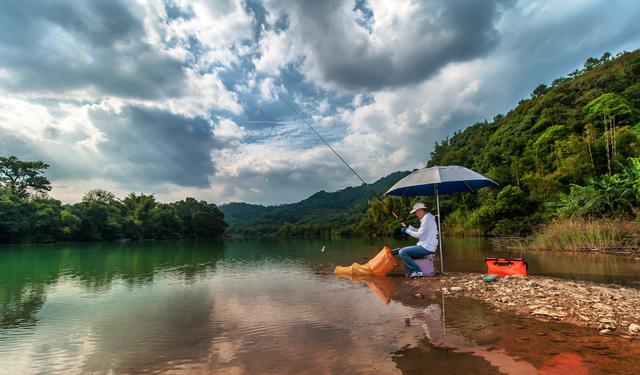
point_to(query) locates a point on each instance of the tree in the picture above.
(23, 178)
(98, 221)
(509, 213)
(164, 223)
(540, 90)
(138, 208)
(100, 196)
(609, 196)
(14, 218)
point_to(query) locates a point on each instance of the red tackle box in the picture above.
(506, 266)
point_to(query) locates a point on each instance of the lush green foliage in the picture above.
(21, 178)
(562, 152)
(557, 153)
(322, 213)
(610, 196)
(26, 214)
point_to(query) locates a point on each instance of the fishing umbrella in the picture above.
(439, 180)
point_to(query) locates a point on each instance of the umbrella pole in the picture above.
(439, 231)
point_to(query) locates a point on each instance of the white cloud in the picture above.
(229, 130)
(269, 89)
(276, 51)
(203, 94)
(383, 92)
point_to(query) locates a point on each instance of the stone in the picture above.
(504, 299)
(634, 328)
(456, 288)
(604, 331)
(601, 306)
(550, 313)
(584, 318)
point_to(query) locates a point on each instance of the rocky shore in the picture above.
(611, 309)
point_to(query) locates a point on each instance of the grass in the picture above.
(586, 235)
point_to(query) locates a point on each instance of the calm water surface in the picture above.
(274, 306)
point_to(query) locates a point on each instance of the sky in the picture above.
(193, 98)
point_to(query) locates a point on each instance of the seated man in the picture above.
(427, 236)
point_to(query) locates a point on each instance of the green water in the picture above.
(264, 306)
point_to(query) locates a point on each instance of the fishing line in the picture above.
(341, 253)
(338, 155)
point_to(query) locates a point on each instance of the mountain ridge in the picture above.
(322, 209)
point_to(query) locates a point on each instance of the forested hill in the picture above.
(570, 150)
(321, 212)
(565, 151)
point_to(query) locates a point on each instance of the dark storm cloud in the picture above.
(440, 32)
(65, 45)
(152, 146)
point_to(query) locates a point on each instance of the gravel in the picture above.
(610, 308)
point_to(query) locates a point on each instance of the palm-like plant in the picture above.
(609, 196)
(632, 176)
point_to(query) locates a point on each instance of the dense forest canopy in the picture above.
(568, 150)
(28, 214)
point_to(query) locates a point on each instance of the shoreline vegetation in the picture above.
(608, 236)
(566, 160)
(27, 214)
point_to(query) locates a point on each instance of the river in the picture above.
(274, 306)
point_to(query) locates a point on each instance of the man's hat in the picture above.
(418, 206)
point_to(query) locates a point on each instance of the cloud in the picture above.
(141, 148)
(407, 41)
(94, 47)
(396, 127)
(278, 169)
(187, 97)
(155, 146)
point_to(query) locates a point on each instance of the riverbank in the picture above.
(580, 235)
(610, 309)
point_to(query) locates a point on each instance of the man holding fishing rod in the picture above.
(427, 236)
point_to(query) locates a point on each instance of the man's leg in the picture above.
(408, 253)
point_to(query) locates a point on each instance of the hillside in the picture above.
(565, 151)
(570, 139)
(321, 212)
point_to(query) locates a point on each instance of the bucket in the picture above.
(506, 266)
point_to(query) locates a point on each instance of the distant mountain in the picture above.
(321, 211)
(569, 149)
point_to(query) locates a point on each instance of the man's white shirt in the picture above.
(427, 234)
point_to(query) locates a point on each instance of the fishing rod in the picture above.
(304, 120)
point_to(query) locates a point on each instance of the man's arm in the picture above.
(428, 226)
(413, 232)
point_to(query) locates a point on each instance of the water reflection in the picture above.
(260, 306)
(28, 272)
(383, 287)
(476, 339)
